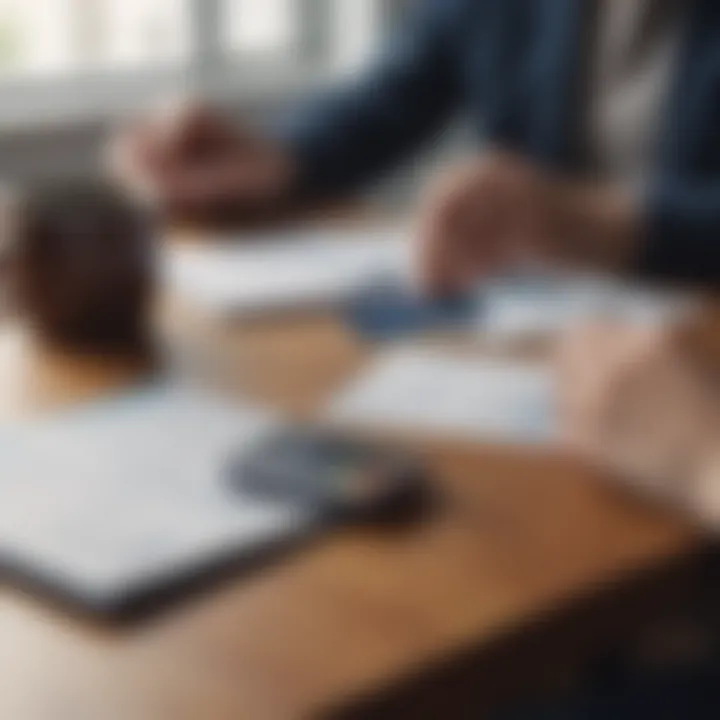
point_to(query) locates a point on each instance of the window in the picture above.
(137, 32)
(57, 37)
(262, 29)
(78, 56)
(35, 38)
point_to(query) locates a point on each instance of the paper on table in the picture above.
(545, 305)
(127, 491)
(274, 272)
(426, 390)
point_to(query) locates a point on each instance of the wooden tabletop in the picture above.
(525, 545)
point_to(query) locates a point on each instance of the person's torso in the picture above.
(633, 55)
(527, 67)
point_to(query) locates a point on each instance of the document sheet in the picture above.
(128, 492)
(285, 271)
(432, 391)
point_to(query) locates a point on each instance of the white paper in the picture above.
(546, 305)
(128, 490)
(270, 272)
(426, 390)
(285, 271)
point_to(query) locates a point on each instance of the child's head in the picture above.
(83, 264)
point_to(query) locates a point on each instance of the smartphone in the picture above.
(338, 477)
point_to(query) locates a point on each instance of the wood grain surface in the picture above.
(520, 538)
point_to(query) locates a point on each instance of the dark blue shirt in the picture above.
(515, 67)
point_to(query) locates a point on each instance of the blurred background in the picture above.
(69, 68)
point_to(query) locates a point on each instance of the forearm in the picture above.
(351, 137)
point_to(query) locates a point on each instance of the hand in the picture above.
(193, 163)
(500, 211)
(643, 403)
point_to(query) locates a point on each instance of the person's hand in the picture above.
(499, 211)
(193, 163)
(644, 404)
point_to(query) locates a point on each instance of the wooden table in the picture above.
(532, 566)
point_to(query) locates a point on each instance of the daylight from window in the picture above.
(56, 37)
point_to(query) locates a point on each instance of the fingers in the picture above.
(195, 187)
(583, 368)
(598, 368)
(130, 159)
(189, 162)
(705, 497)
(631, 404)
(189, 129)
(153, 146)
(462, 229)
(256, 178)
(442, 248)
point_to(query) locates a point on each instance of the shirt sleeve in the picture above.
(682, 234)
(353, 135)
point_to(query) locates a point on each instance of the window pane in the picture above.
(140, 32)
(48, 37)
(262, 27)
(36, 37)
(357, 26)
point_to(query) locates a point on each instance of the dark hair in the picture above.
(83, 261)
